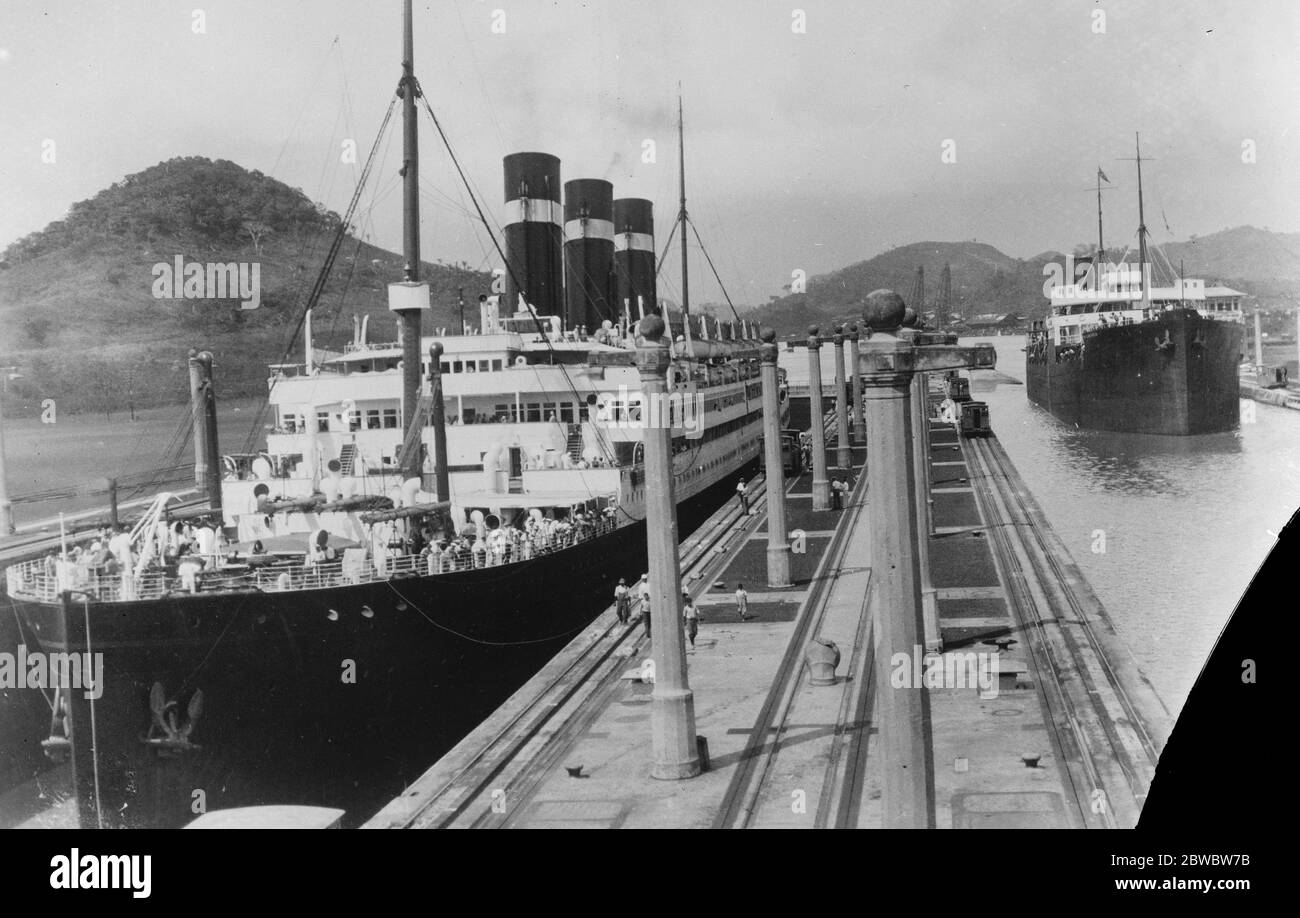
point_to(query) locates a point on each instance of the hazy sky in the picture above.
(805, 150)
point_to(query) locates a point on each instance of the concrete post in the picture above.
(859, 421)
(921, 463)
(1259, 344)
(778, 541)
(672, 709)
(844, 453)
(821, 486)
(904, 713)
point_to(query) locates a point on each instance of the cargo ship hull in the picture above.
(1175, 375)
(302, 706)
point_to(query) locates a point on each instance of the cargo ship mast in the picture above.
(681, 214)
(409, 318)
(1142, 229)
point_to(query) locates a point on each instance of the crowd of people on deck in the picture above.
(507, 544)
(188, 547)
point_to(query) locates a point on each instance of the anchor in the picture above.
(58, 745)
(168, 735)
(1165, 345)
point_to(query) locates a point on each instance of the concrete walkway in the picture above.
(1019, 746)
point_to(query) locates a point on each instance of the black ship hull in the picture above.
(1175, 375)
(322, 697)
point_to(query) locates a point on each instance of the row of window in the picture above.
(469, 366)
(371, 419)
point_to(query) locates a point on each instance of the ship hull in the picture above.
(303, 706)
(1176, 376)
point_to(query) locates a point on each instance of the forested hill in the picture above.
(1262, 264)
(80, 320)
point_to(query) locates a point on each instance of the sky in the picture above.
(817, 134)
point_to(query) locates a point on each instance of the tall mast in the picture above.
(681, 214)
(1142, 228)
(410, 155)
(410, 318)
(1101, 248)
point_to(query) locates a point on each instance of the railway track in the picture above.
(753, 787)
(489, 764)
(1104, 738)
(473, 786)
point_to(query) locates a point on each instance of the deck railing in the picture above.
(43, 580)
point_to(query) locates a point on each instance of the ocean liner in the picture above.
(430, 520)
(1117, 353)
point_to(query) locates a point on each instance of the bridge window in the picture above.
(390, 417)
(372, 419)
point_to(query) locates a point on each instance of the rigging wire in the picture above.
(601, 439)
(323, 275)
(721, 285)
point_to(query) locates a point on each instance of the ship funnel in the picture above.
(634, 257)
(588, 252)
(534, 233)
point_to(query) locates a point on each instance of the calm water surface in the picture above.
(1186, 520)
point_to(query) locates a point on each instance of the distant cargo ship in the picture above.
(1117, 353)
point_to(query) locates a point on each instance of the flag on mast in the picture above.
(1102, 175)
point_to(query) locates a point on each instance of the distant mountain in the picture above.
(1263, 264)
(77, 300)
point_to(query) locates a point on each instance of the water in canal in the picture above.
(1186, 521)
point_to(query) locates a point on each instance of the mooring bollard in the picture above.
(822, 656)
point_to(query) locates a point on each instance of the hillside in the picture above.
(1263, 264)
(83, 326)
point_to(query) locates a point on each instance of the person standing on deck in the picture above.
(742, 492)
(622, 601)
(690, 618)
(644, 590)
(742, 601)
